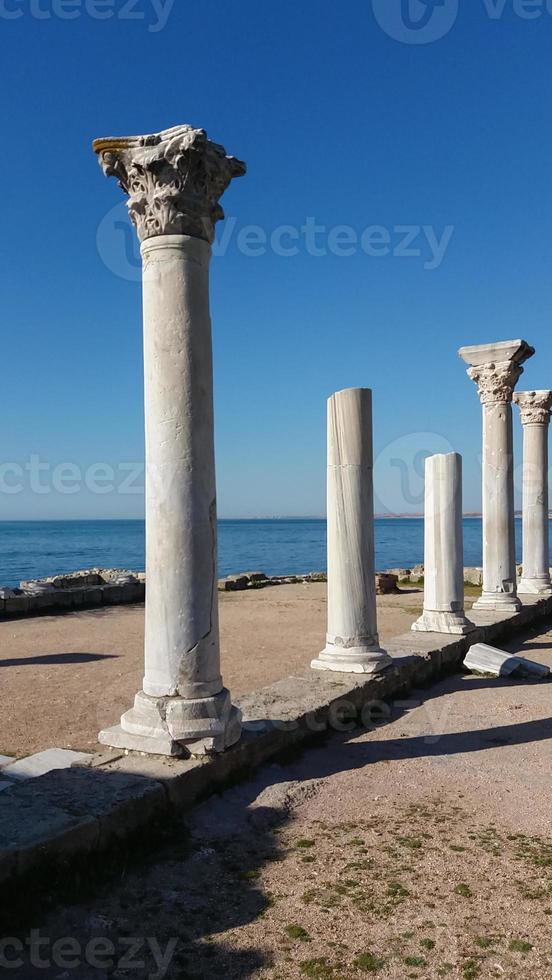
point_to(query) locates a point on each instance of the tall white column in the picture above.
(174, 180)
(443, 548)
(352, 638)
(496, 369)
(535, 408)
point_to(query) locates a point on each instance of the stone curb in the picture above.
(73, 814)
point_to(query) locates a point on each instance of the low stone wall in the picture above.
(87, 589)
(115, 586)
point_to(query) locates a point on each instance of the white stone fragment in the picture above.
(484, 659)
(43, 762)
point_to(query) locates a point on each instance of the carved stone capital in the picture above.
(174, 180)
(496, 381)
(534, 406)
(496, 368)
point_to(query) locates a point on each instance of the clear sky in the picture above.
(357, 114)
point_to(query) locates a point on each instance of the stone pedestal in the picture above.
(174, 180)
(535, 408)
(352, 638)
(496, 369)
(443, 548)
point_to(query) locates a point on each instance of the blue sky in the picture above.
(341, 124)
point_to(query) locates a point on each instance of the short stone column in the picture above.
(535, 409)
(443, 548)
(174, 180)
(352, 638)
(496, 369)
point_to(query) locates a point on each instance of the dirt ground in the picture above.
(75, 674)
(419, 849)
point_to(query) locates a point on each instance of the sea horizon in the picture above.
(275, 545)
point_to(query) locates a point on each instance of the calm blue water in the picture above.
(278, 547)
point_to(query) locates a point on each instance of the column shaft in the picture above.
(174, 180)
(534, 408)
(352, 636)
(496, 368)
(181, 640)
(499, 556)
(443, 548)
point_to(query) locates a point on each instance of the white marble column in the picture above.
(352, 643)
(174, 180)
(535, 408)
(443, 548)
(496, 369)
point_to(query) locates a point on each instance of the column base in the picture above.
(535, 586)
(352, 660)
(433, 621)
(176, 726)
(503, 602)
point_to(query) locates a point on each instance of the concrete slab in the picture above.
(43, 762)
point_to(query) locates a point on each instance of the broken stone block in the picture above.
(484, 659)
(233, 583)
(386, 583)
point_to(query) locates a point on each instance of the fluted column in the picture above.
(443, 548)
(534, 407)
(174, 180)
(352, 643)
(496, 369)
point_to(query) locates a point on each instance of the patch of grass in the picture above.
(305, 843)
(316, 969)
(484, 942)
(308, 859)
(520, 946)
(415, 961)
(249, 875)
(427, 943)
(297, 932)
(463, 890)
(412, 842)
(369, 963)
(471, 970)
(396, 890)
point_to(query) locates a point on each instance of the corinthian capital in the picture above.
(174, 180)
(496, 368)
(534, 406)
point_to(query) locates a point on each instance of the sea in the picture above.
(34, 549)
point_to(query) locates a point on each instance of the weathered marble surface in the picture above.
(443, 548)
(496, 369)
(174, 180)
(535, 409)
(352, 643)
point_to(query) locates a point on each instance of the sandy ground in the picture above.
(75, 674)
(419, 849)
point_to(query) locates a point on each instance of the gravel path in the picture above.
(422, 849)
